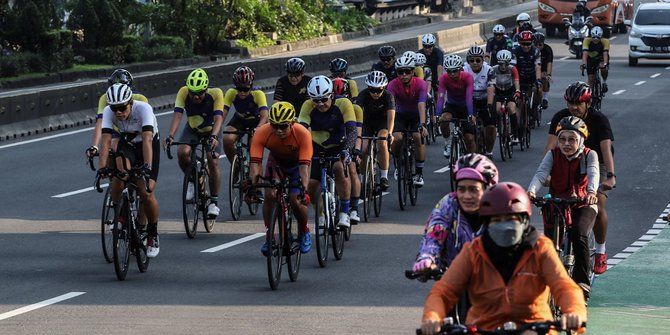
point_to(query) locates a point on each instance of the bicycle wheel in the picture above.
(377, 189)
(453, 158)
(528, 127)
(400, 169)
(275, 240)
(521, 133)
(292, 246)
(190, 208)
(253, 207)
(106, 231)
(121, 239)
(502, 138)
(411, 188)
(592, 257)
(321, 228)
(204, 197)
(141, 250)
(234, 194)
(368, 189)
(337, 236)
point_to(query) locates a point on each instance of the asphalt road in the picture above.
(50, 246)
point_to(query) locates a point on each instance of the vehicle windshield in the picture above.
(653, 17)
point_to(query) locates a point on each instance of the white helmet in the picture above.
(523, 17)
(597, 32)
(504, 56)
(319, 87)
(404, 62)
(453, 62)
(428, 39)
(376, 79)
(475, 51)
(410, 54)
(498, 29)
(421, 59)
(119, 94)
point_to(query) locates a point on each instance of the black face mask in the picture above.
(507, 233)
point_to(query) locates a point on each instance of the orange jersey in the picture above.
(295, 149)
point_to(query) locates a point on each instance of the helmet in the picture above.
(295, 65)
(118, 94)
(578, 91)
(477, 167)
(597, 32)
(410, 54)
(120, 76)
(404, 62)
(338, 65)
(526, 36)
(421, 59)
(281, 112)
(197, 80)
(243, 76)
(523, 17)
(319, 87)
(573, 123)
(340, 87)
(428, 39)
(498, 29)
(526, 26)
(504, 56)
(376, 79)
(505, 198)
(453, 62)
(475, 51)
(581, 3)
(386, 51)
(539, 37)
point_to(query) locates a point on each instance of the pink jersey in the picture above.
(407, 98)
(459, 92)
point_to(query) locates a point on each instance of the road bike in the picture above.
(106, 233)
(458, 148)
(239, 172)
(198, 175)
(127, 237)
(431, 126)
(372, 191)
(509, 328)
(505, 131)
(405, 165)
(597, 94)
(459, 312)
(524, 110)
(325, 213)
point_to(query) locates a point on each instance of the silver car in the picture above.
(650, 33)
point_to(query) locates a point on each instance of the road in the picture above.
(50, 245)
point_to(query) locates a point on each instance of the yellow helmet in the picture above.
(282, 113)
(197, 80)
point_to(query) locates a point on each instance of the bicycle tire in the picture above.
(454, 153)
(321, 229)
(234, 193)
(292, 245)
(337, 236)
(502, 137)
(592, 257)
(521, 131)
(252, 207)
(207, 221)
(400, 166)
(409, 174)
(368, 189)
(141, 251)
(275, 242)
(190, 208)
(121, 239)
(527, 133)
(106, 231)
(377, 195)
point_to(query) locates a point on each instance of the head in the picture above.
(526, 40)
(428, 41)
(340, 88)
(505, 210)
(526, 26)
(504, 57)
(474, 173)
(498, 31)
(404, 67)
(421, 59)
(596, 34)
(119, 98)
(410, 54)
(571, 132)
(243, 79)
(539, 40)
(453, 64)
(521, 18)
(320, 91)
(376, 81)
(475, 58)
(581, 4)
(197, 83)
(338, 67)
(295, 70)
(578, 97)
(281, 118)
(120, 76)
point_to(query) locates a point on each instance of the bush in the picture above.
(13, 65)
(133, 47)
(167, 47)
(106, 55)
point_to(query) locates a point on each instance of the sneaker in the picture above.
(264, 248)
(395, 174)
(447, 151)
(344, 221)
(305, 243)
(353, 217)
(545, 103)
(515, 140)
(152, 247)
(418, 180)
(384, 183)
(604, 87)
(212, 211)
(600, 265)
(190, 191)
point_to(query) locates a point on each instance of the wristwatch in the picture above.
(611, 174)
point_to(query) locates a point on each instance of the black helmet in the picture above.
(386, 51)
(526, 26)
(539, 37)
(338, 65)
(578, 91)
(295, 65)
(120, 76)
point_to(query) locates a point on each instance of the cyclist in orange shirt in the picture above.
(290, 147)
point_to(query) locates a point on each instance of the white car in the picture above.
(650, 32)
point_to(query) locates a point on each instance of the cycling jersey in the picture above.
(375, 112)
(200, 116)
(504, 81)
(493, 46)
(418, 72)
(480, 81)
(525, 62)
(389, 72)
(295, 149)
(569, 178)
(248, 108)
(595, 51)
(102, 102)
(598, 125)
(435, 58)
(546, 57)
(141, 119)
(459, 92)
(332, 128)
(296, 95)
(408, 97)
(352, 88)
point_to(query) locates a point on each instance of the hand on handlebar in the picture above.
(571, 321)
(582, 67)
(213, 141)
(104, 172)
(305, 199)
(591, 199)
(92, 151)
(168, 142)
(429, 327)
(517, 95)
(424, 264)
(344, 155)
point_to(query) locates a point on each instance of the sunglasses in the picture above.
(503, 63)
(386, 59)
(295, 74)
(526, 44)
(321, 101)
(404, 72)
(119, 108)
(475, 60)
(426, 46)
(454, 71)
(282, 126)
(197, 93)
(338, 74)
(498, 35)
(375, 90)
(243, 89)
(569, 140)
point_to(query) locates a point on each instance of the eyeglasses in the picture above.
(375, 90)
(321, 101)
(498, 35)
(526, 44)
(282, 126)
(569, 140)
(295, 74)
(197, 93)
(475, 60)
(338, 74)
(119, 108)
(426, 46)
(386, 59)
(454, 71)
(404, 72)
(243, 89)
(539, 45)
(501, 63)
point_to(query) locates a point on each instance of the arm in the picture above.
(176, 120)
(217, 94)
(262, 102)
(390, 120)
(446, 292)
(608, 160)
(542, 173)
(515, 75)
(279, 92)
(441, 91)
(97, 132)
(436, 230)
(592, 172)
(423, 97)
(469, 92)
(147, 145)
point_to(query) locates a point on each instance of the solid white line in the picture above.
(443, 170)
(667, 68)
(41, 304)
(622, 255)
(646, 237)
(566, 58)
(654, 75)
(618, 92)
(234, 243)
(640, 83)
(63, 195)
(45, 138)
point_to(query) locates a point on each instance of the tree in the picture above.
(84, 24)
(110, 32)
(30, 27)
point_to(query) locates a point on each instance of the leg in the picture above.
(343, 187)
(229, 143)
(489, 137)
(355, 179)
(397, 142)
(583, 220)
(444, 125)
(214, 185)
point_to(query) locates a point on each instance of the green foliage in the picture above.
(84, 22)
(19, 63)
(167, 47)
(31, 24)
(110, 31)
(133, 48)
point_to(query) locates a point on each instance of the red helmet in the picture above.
(340, 87)
(526, 36)
(505, 198)
(243, 76)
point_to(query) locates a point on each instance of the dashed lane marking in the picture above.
(656, 229)
(566, 58)
(40, 304)
(654, 75)
(443, 170)
(640, 83)
(234, 243)
(618, 92)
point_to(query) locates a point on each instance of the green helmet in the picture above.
(197, 80)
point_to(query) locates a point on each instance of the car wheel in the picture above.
(632, 61)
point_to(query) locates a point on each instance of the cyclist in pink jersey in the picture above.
(459, 87)
(410, 94)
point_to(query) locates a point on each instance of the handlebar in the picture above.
(204, 141)
(433, 274)
(539, 202)
(322, 159)
(540, 327)
(122, 175)
(90, 161)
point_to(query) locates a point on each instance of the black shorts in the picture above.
(460, 112)
(134, 153)
(592, 65)
(406, 122)
(501, 96)
(278, 172)
(484, 114)
(372, 125)
(315, 169)
(243, 124)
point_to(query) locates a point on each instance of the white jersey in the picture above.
(141, 118)
(480, 80)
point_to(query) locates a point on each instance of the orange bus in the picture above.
(608, 14)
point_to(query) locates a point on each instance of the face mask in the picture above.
(506, 234)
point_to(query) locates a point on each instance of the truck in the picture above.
(611, 15)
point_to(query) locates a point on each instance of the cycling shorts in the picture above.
(373, 128)
(243, 124)
(277, 172)
(315, 170)
(484, 114)
(188, 135)
(592, 65)
(408, 121)
(460, 112)
(135, 154)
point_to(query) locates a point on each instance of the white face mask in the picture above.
(506, 233)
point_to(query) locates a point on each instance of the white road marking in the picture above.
(654, 75)
(63, 195)
(234, 243)
(659, 225)
(667, 68)
(640, 83)
(45, 138)
(41, 304)
(640, 243)
(443, 170)
(622, 255)
(566, 58)
(618, 92)
(612, 38)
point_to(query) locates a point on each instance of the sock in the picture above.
(384, 173)
(152, 229)
(419, 165)
(304, 228)
(600, 248)
(513, 123)
(354, 203)
(214, 199)
(344, 205)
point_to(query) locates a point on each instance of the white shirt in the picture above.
(141, 115)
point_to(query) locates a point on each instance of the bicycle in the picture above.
(525, 109)
(198, 175)
(460, 310)
(372, 191)
(505, 131)
(127, 237)
(431, 127)
(509, 328)
(283, 234)
(597, 94)
(327, 204)
(239, 171)
(458, 148)
(405, 166)
(106, 234)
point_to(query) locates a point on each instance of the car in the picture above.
(650, 32)
(608, 14)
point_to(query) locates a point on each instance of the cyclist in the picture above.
(546, 66)
(204, 112)
(498, 42)
(333, 125)
(458, 85)
(581, 9)
(505, 81)
(574, 172)
(410, 94)
(118, 76)
(293, 86)
(434, 57)
(378, 118)
(418, 69)
(290, 148)
(138, 140)
(338, 69)
(386, 62)
(600, 140)
(500, 271)
(428, 77)
(522, 24)
(482, 94)
(528, 62)
(596, 55)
